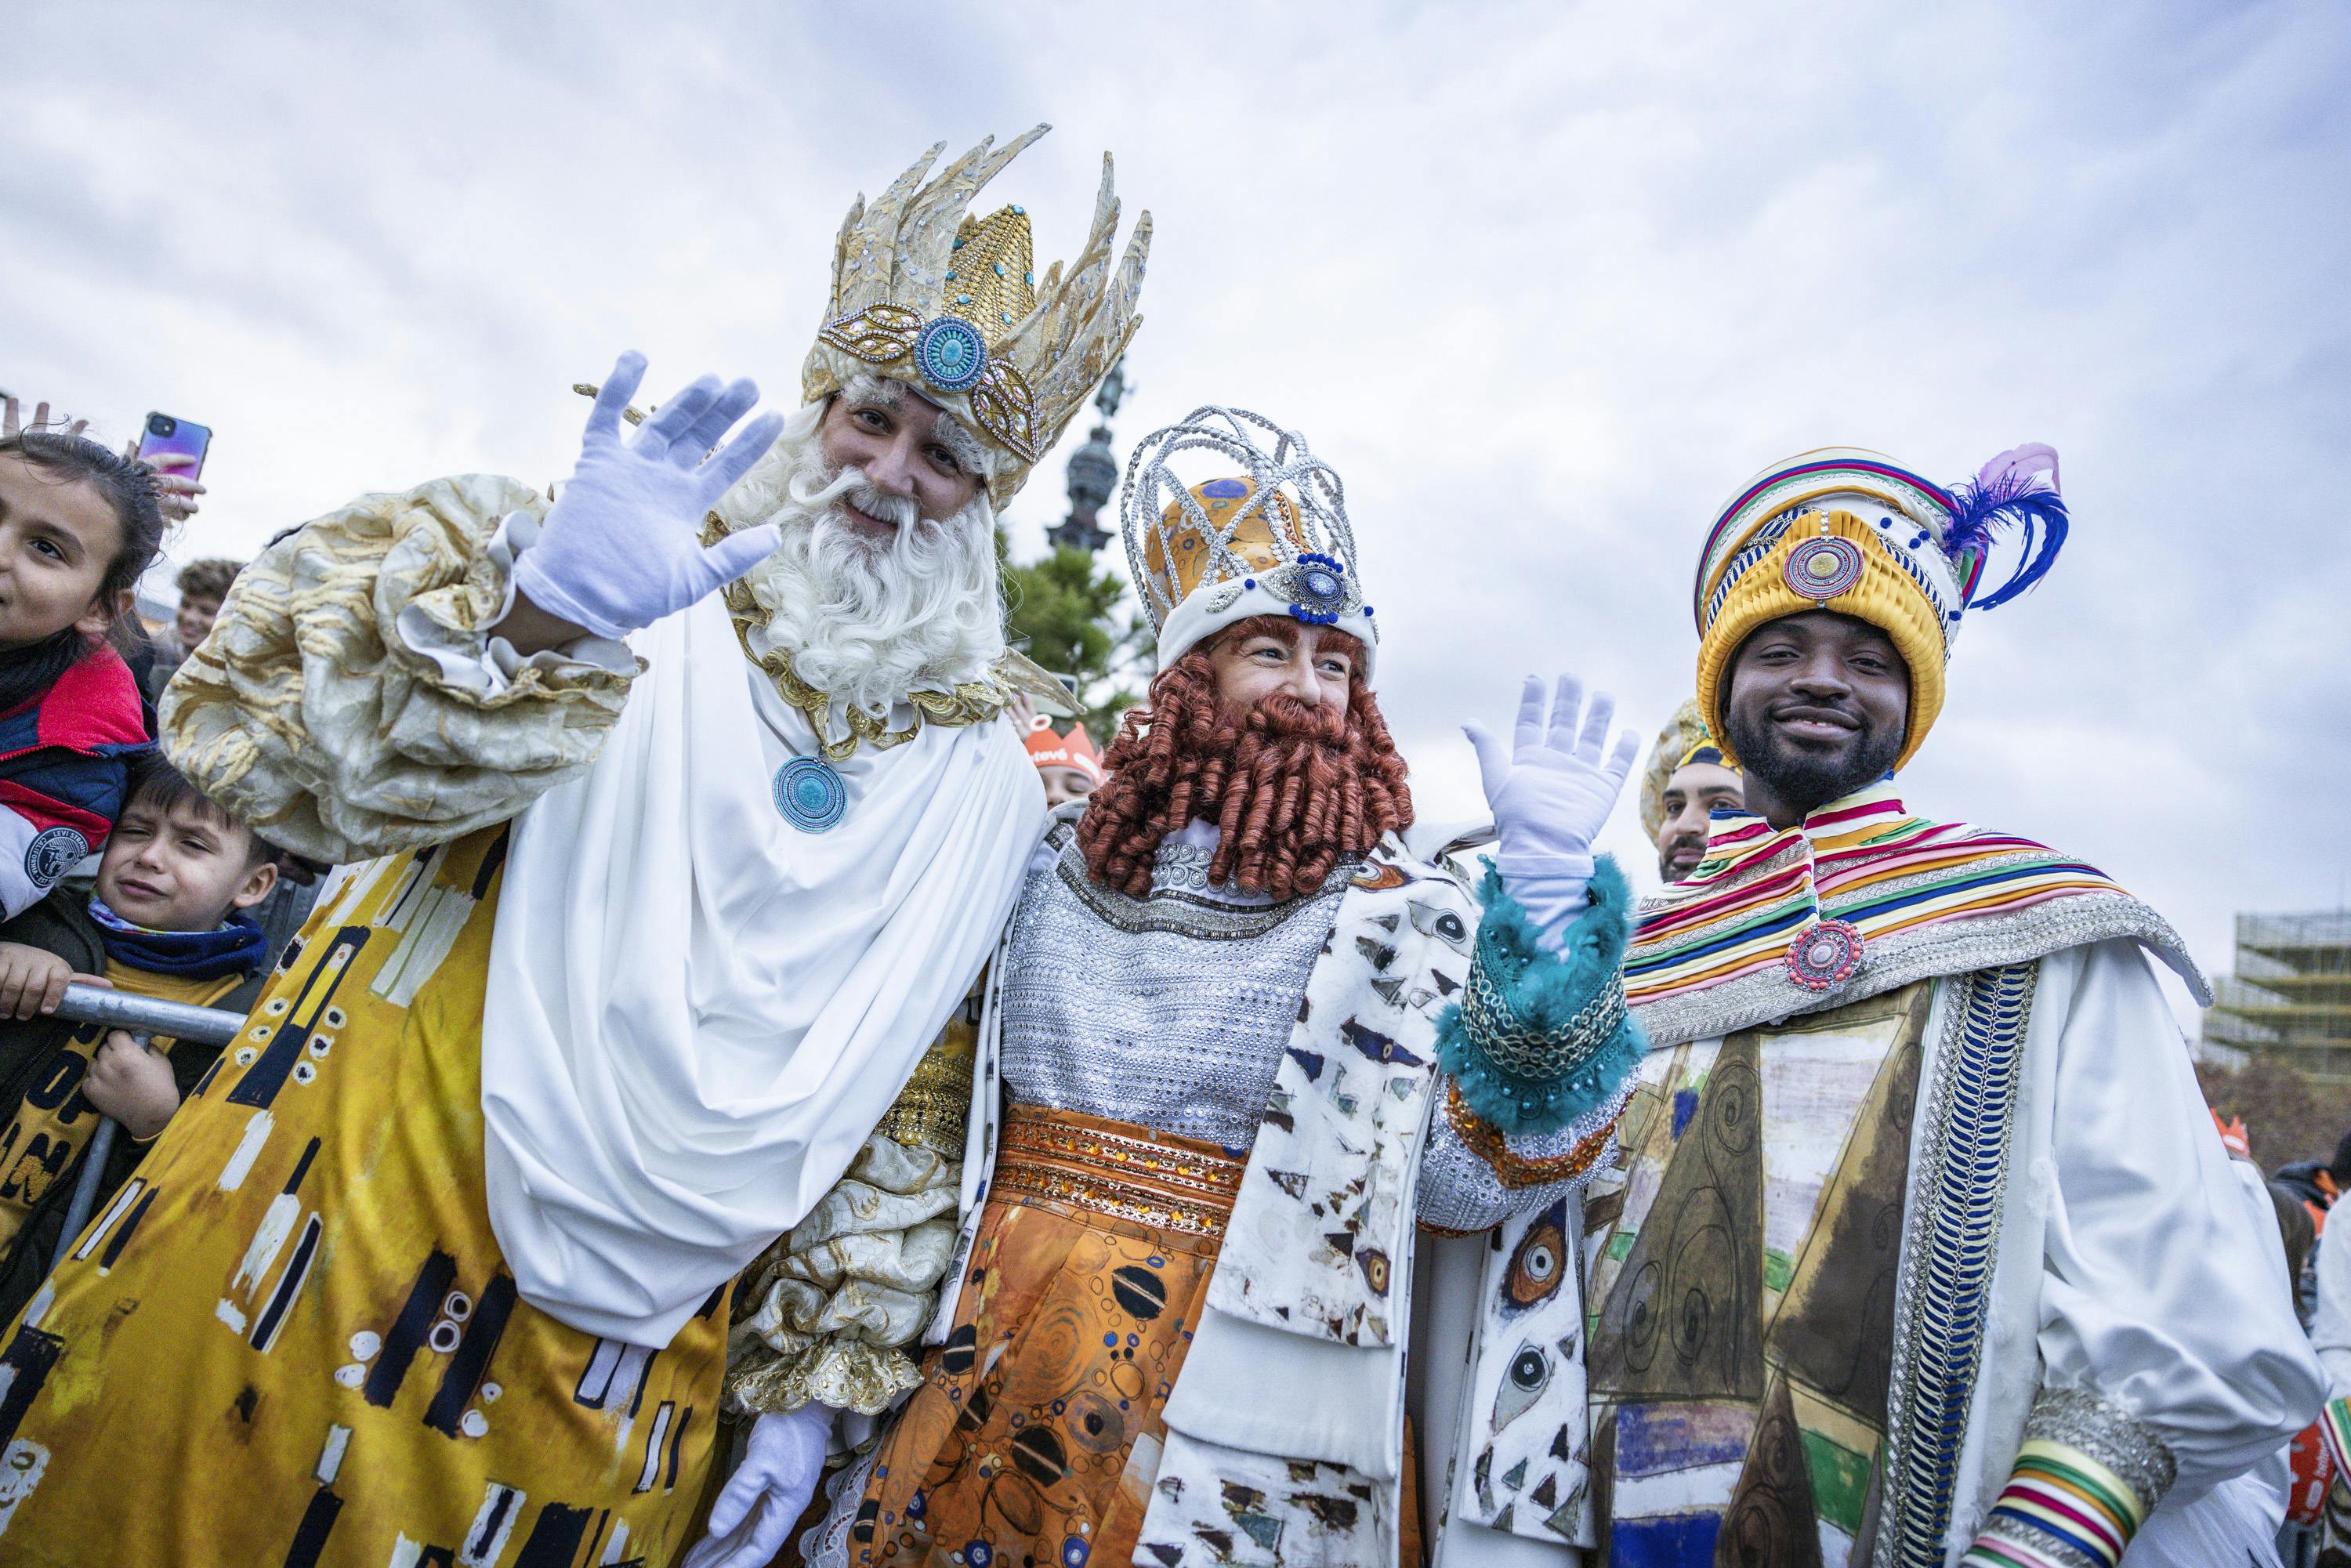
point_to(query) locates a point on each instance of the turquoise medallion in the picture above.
(811, 794)
(950, 354)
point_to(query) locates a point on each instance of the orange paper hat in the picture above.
(1048, 749)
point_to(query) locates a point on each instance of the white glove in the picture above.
(767, 1491)
(1551, 795)
(621, 548)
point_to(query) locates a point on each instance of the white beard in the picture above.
(867, 620)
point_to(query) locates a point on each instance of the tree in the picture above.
(2287, 1116)
(1074, 616)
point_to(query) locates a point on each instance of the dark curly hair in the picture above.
(208, 577)
(129, 488)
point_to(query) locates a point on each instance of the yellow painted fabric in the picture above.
(1886, 597)
(291, 1338)
(52, 1123)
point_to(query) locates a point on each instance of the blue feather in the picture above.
(2022, 500)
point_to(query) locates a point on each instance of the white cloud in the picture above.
(1546, 282)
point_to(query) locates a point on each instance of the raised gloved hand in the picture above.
(621, 548)
(767, 1491)
(1551, 794)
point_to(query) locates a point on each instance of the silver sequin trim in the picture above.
(1174, 907)
(1943, 1288)
(2109, 1434)
(2016, 937)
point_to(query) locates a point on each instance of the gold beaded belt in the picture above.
(1117, 1168)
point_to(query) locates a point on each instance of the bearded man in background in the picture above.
(1687, 780)
(433, 1262)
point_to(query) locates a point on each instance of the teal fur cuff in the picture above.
(1539, 1040)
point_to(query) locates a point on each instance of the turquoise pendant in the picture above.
(811, 794)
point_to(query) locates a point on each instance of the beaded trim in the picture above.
(1129, 1173)
(1755, 549)
(1515, 1171)
(1181, 868)
(1943, 1294)
(1796, 490)
(1181, 914)
(1508, 1041)
(1000, 398)
(2104, 1432)
(930, 1112)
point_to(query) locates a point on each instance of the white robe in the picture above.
(2130, 1263)
(696, 1011)
(2330, 1324)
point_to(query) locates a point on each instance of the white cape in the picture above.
(696, 1012)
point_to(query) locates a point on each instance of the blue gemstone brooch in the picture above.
(951, 354)
(1317, 588)
(811, 794)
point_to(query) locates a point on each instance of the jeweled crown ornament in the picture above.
(1273, 540)
(951, 305)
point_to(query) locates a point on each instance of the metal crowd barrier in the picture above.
(143, 1017)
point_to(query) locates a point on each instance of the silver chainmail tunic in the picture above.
(1170, 1011)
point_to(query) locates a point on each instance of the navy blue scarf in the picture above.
(237, 947)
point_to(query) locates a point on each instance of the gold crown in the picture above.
(1264, 537)
(952, 306)
(1273, 540)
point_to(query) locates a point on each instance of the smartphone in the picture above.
(165, 435)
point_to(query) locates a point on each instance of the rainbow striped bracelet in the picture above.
(2061, 1509)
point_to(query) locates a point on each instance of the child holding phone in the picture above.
(78, 524)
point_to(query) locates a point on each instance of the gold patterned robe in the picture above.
(292, 1339)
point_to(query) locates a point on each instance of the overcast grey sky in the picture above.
(1546, 282)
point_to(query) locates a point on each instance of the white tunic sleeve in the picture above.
(2164, 1292)
(2330, 1325)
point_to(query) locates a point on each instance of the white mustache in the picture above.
(851, 487)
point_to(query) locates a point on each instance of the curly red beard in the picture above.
(1292, 788)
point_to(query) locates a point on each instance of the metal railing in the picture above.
(143, 1017)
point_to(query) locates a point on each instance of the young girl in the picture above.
(78, 525)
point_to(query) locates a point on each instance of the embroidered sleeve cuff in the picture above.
(2086, 1479)
(931, 1111)
(843, 1373)
(824, 1312)
(446, 627)
(1540, 1040)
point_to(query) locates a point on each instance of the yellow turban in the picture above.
(1846, 530)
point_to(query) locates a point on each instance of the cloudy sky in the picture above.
(1545, 282)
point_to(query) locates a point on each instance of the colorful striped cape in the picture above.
(1905, 883)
